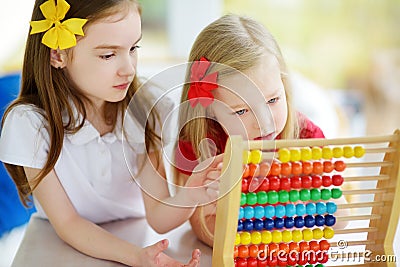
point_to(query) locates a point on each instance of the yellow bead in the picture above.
(295, 154)
(348, 151)
(255, 156)
(306, 153)
(255, 237)
(286, 236)
(284, 155)
(318, 233)
(316, 153)
(237, 239)
(337, 152)
(246, 157)
(328, 232)
(307, 234)
(276, 237)
(359, 151)
(245, 238)
(297, 236)
(266, 237)
(326, 152)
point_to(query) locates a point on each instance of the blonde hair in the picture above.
(238, 43)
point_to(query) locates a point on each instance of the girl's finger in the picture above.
(213, 184)
(213, 175)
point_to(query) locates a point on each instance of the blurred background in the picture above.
(344, 57)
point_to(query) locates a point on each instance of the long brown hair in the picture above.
(238, 43)
(50, 90)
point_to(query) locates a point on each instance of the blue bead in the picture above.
(268, 224)
(279, 223)
(258, 212)
(290, 210)
(309, 221)
(289, 222)
(269, 211)
(329, 220)
(280, 211)
(248, 225)
(311, 208)
(300, 209)
(321, 208)
(319, 220)
(259, 224)
(299, 222)
(241, 213)
(331, 207)
(248, 212)
(240, 225)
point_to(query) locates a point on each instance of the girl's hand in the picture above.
(203, 185)
(153, 256)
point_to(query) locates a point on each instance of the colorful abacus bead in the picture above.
(284, 155)
(359, 151)
(255, 156)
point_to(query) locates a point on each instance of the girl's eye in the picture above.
(106, 57)
(240, 112)
(273, 100)
(134, 48)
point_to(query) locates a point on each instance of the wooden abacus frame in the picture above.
(384, 217)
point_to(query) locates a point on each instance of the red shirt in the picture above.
(185, 158)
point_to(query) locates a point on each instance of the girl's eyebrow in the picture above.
(109, 46)
(237, 106)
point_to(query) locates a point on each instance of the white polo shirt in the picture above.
(93, 169)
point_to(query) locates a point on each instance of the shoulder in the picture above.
(21, 114)
(307, 129)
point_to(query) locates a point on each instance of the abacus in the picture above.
(294, 209)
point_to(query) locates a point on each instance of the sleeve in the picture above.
(24, 140)
(185, 158)
(308, 129)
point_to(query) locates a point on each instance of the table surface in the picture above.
(42, 247)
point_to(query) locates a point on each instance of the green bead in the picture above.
(262, 197)
(242, 199)
(294, 195)
(305, 195)
(251, 198)
(336, 193)
(273, 197)
(326, 194)
(283, 196)
(315, 194)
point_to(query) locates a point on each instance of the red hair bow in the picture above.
(201, 85)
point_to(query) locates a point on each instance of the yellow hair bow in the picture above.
(62, 35)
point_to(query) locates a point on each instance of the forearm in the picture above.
(94, 241)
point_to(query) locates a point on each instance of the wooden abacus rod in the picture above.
(369, 164)
(365, 191)
(381, 177)
(354, 243)
(380, 150)
(356, 230)
(360, 205)
(268, 144)
(359, 217)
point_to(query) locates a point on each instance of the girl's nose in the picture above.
(264, 120)
(128, 67)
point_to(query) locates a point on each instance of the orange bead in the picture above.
(284, 247)
(304, 246)
(340, 166)
(264, 169)
(263, 250)
(307, 167)
(314, 245)
(243, 252)
(294, 246)
(246, 171)
(275, 169)
(324, 245)
(253, 251)
(254, 170)
(235, 252)
(273, 249)
(286, 168)
(318, 167)
(297, 168)
(328, 166)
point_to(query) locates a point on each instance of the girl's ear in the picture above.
(58, 58)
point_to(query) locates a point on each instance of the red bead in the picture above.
(313, 257)
(328, 166)
(286, 168)
(282, 261)
(324, 258)
(316, 181)
(324, 245)
(297, 168)
(264, 185)
(307, 167)
(274, 183)
(306, 181)
(240, 262)
(245, 185)
(262, 263)
(318, 168)
(252, 262)
(272, 261)
(285, 184)
(295, 182)
(326, 181)
(340, 166)
(303, 259)
(337, 180)
(292, 259)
